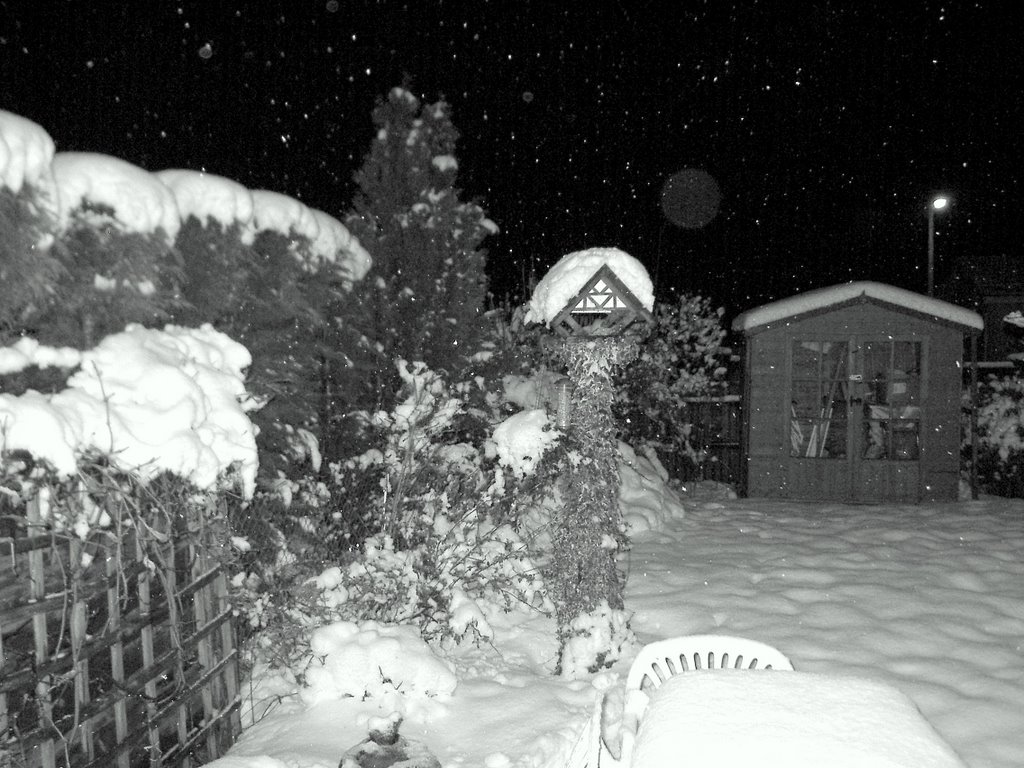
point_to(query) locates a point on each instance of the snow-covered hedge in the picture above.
(147, 402)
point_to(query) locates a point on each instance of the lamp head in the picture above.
(940, 202)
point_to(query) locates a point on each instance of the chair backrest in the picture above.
(659, 661)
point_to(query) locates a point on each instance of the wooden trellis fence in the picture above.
(115, 650)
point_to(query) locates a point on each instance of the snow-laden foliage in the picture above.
(28, 269)
(1000, 417)
(682, 357)
(257, 289)
(596, 640)
(1000, 437)
(358, 660)
(423, 298)
(521, 440)
(143, 401)
(425, 528)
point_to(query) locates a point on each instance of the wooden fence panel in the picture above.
(715, 431)
(115, 651)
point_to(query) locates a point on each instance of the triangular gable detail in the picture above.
(600, 298)
(606, 296)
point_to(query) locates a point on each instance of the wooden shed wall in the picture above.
(769, 468)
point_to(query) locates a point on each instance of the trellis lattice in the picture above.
(115, 652)
(604, 306)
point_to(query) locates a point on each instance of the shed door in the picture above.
(886, 401)
(855, 419)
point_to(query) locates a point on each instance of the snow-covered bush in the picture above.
(595, 641)
(373, 660)
(450, 584)
(999, 461)
(435, 540)
(1000, 438)
(681, 358)
(143, 401)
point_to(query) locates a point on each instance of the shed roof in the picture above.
(825, 298)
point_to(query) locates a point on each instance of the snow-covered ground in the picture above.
(929, 599)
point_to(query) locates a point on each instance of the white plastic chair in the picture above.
(659, 661)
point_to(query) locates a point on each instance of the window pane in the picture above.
(800, 431)
(905, 440)
(877, 362)
(819, 399)
(876, 439)
(833, 437)
(807, 399)
(906, 373)
(806, 358)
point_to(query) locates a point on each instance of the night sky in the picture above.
(826, 125)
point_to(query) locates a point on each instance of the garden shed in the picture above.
(853, 393)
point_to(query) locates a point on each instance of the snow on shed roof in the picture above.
(823, 298)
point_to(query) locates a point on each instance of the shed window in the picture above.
(818, 416)
(892, 400)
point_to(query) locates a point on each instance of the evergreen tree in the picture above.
(29, 270)
(259, 292)
(111, 277)
(89, 280)
(423, 300)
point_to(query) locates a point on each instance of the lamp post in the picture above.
(937, 204)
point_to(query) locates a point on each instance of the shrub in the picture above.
(681, 358)
(426, 528)
(1000, 437)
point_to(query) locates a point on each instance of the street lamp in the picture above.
(938, 203)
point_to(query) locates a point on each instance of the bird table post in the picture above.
(599, 301)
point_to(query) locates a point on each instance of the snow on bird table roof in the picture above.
(823, 298)
(140, 201)
(26, 151)
(567, 278)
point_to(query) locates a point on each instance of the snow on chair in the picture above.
(659, 661)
